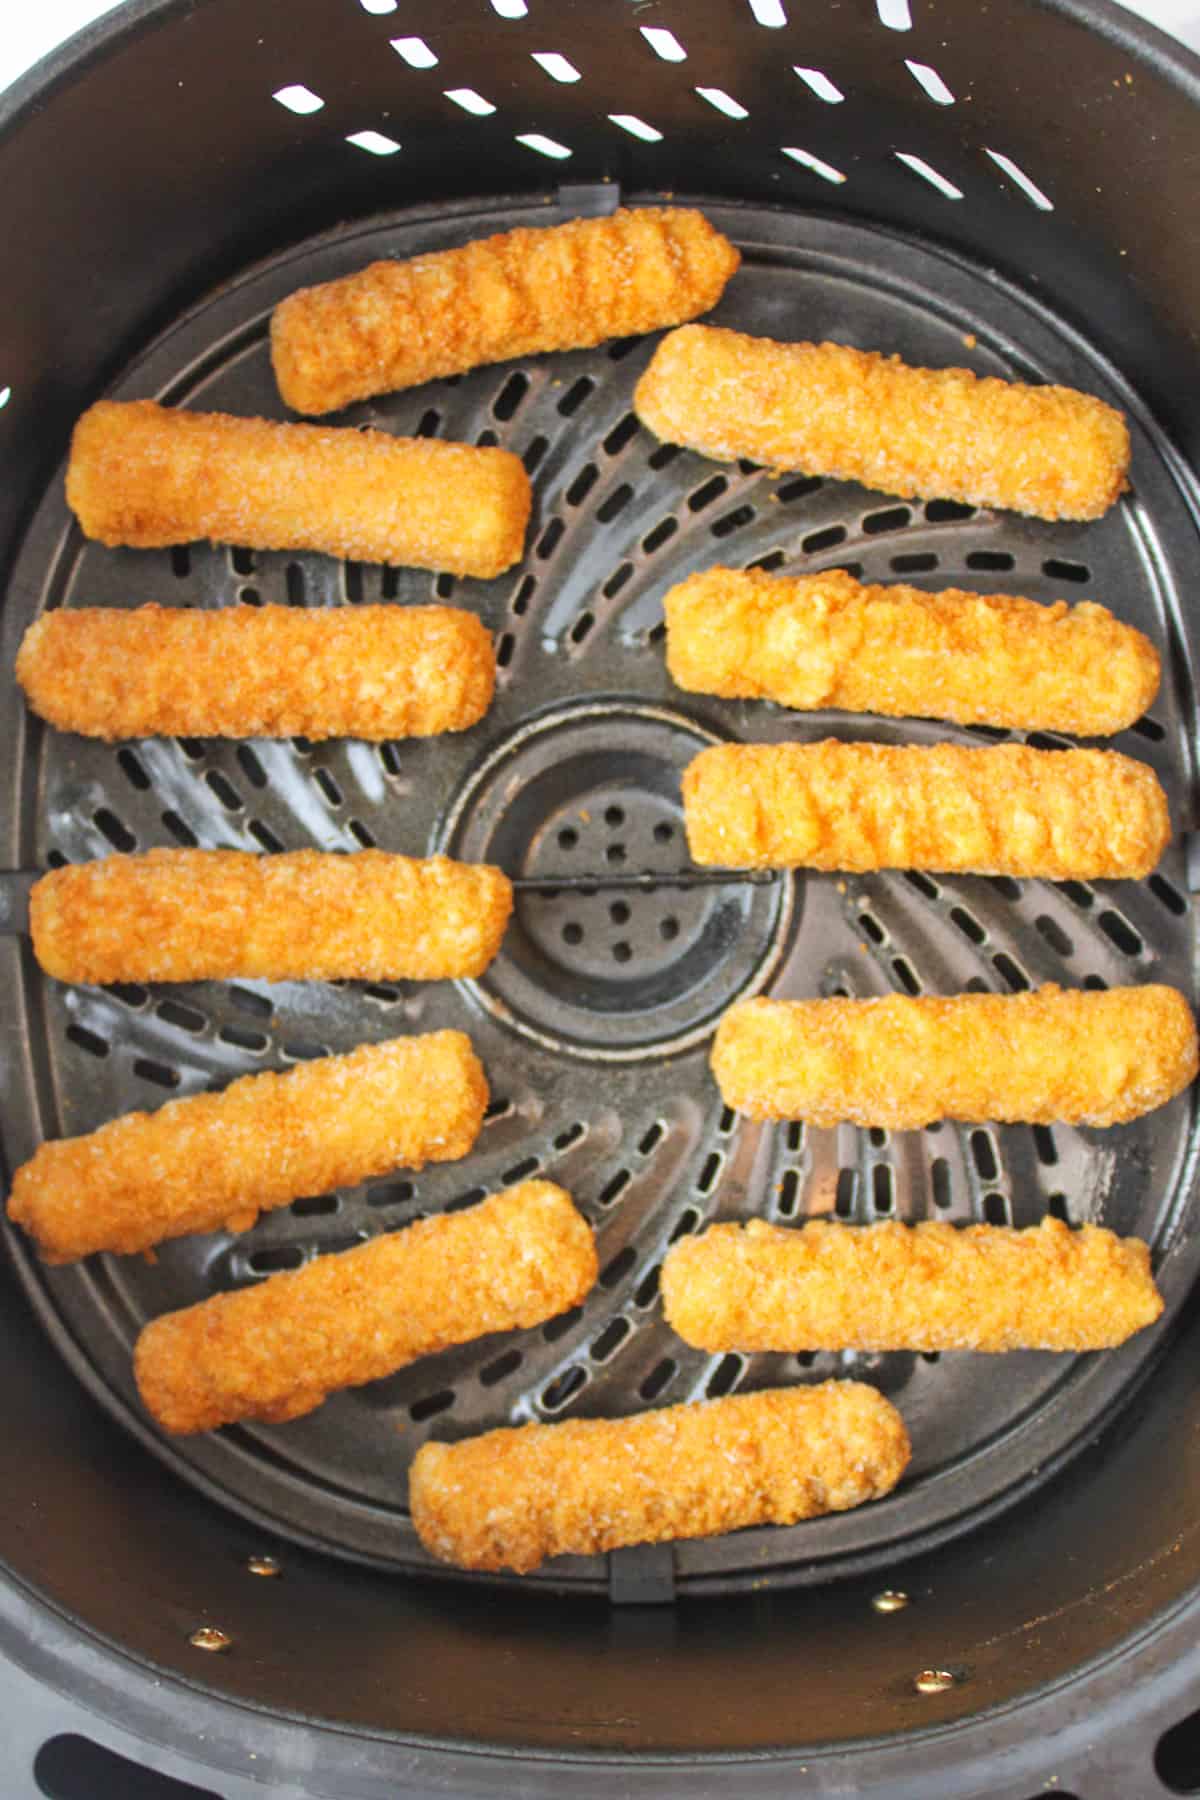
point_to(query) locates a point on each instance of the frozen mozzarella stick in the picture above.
(925, 1287)
(303, 915)
(276, 1350)
(1078, 1056)
(218, 1160)
(827, 640)
(258, 671)
(855, 415)
(558, 287)
(148, 475)
(1006, 810)
(511, 1498)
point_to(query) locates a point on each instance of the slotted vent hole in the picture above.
(847, 1187)
(558, 1327)
(1120, 932)
(891, 518)
(659, 1378)
(556, 1394)
(789, 1193)
(1043, 1143)
(1167, 895)
(651, 1138)
(1061, 570)
(161, 1074)
(614, 1188)
(510, 395)
(1011, 972)
(882, 1186)
(725, 1376)
(114, 829)
(939, 1172)
(224, 790)
(1054, 935)
(316, 1206)
(620, 1266)
(646, 1292)
(430, 1405)
(983, 1155)
(706, 493)
(622, 433)
(132, 769)
(83, 1039)
(500, 1367)
(906, 975)
(968, 924)
(610, 1339)
(275, 1259)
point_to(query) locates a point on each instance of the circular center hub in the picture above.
(627, 950)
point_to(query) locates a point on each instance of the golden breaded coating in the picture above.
(220, 1159)
(1004, 810)
(148, 475)
(276, 1350)
(259, 671)
(558, 287)
(908, 1287)
(859, 416)
(213, 915)
(509, 1499)
(827, 641)
(1079, 1056)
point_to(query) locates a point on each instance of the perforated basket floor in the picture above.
(594, 1023)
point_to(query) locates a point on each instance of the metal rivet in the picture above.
(934, 1681)
(264, 1565)
(891, 1600)
(210, 1637)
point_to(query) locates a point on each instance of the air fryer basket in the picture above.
(1008, 189)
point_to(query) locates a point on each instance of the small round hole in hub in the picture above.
(618, 912)
(668, 929)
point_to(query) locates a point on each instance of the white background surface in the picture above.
(29, 28)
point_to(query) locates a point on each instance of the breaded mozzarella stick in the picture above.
(148, 475)
(827, 641)
(1080, 1056)
(859, 416)
(305, 915)
(259, 671)
(558, 287)
(509, 1499)
(276, 1350)
(925, 1287)
(218, 1160)
(1004, 810)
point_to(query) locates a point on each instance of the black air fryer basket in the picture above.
(1009, 185)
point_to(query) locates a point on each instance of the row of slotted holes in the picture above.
(297, 97)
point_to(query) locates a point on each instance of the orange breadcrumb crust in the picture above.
(560, 287)
(276, 1350)
(1079, 1056)
(859, 416)
(1005, 810)
(509, 1499)
(149, 475)
(899, 1287)
(307, 915)
(827, 641)
(259, 671)
(220, 1159)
